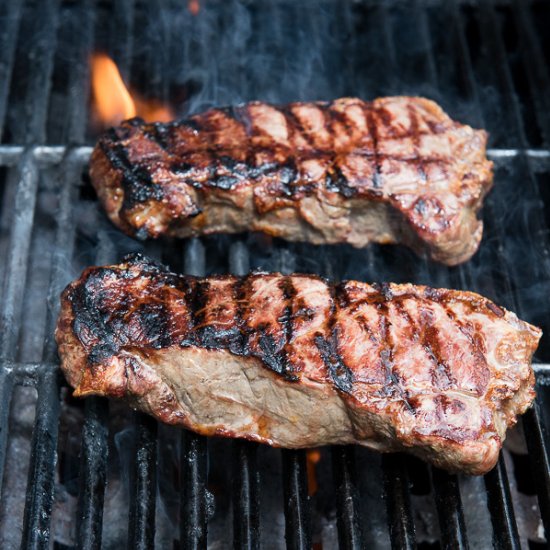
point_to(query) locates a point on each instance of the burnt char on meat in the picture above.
(294, 361)
(394, 170)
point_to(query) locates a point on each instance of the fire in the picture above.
(193, 6)
(313, 456)
(113, 101)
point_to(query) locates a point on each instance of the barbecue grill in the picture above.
(86, 474)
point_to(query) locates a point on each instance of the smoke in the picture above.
(281, 51)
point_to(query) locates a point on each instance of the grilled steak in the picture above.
(395, 170)
(294, 361)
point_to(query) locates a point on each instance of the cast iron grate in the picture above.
(486, 63)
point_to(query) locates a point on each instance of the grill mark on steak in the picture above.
(274, 357)
(198, 302)
(136, 180)
(498, 311)
(289, 293)
(393, 385)
(158, 133)
(241, 290)
(277, 356)
(295, 126)
(267, 340)
(427, 335)
(479, 347)
(371, 123)
(340, 374)
(90, 324)
(441, 376)
(335, 116)
(287, 176)
(415, 136)
(187, 285)
(336, 181)
(154, 324)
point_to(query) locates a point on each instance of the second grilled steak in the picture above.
(294, 361)
(394, 170)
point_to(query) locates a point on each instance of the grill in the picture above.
(91, 474)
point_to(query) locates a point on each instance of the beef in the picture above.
(394, 170)
(294, 361)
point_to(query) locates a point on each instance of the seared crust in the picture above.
(395, 170)
(295, 361)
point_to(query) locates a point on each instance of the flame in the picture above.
(113, 101)
(193, 6)
(313, 456)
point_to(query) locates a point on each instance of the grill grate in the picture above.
(489, 66)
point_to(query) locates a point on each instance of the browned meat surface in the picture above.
(294, 361)
(395, 170)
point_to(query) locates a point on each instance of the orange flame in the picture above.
(114, 102)
(193, 6)
(313, 456)
(112, 99)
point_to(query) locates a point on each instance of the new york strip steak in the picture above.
(394, 170)
(295, 361)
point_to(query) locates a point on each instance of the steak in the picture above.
(394, 170)
(294, 361)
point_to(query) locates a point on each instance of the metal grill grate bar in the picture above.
(246, 496)
(41, 483)
(449, 507)
(535, 65)
(490, 25)
(17, 259)
(193, 513)
(79, 85)
(11, 14)
(93, 474)
(40, 487)
(123, 26)
(389, 49)
(402, 531)
(350, 534)
(536, 444)
(513, 110)
(14, 284)
(32, 128)
(6, 388)
(296, 506)
(505, 530)
(143, 490)
(423, 32)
